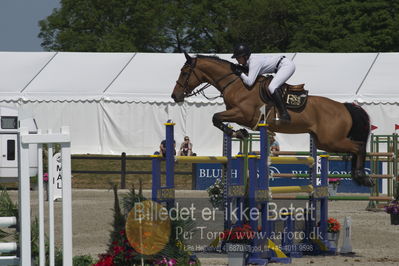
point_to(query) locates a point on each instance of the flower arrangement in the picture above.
(238, 234)
(120, 252)
(392, 207)
(172, 262)
(334, 180)
(333, 226)
(45, 177)
(216, 193)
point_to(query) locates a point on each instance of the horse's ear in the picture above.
(188, 58)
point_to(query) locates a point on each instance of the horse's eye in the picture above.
(184, 74)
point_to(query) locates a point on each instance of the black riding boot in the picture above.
(282, 109)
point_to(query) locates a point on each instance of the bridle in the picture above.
(189, 93)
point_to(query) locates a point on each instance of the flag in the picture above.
(396, 126)
(373, 127)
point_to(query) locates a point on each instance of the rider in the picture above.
(262, 64)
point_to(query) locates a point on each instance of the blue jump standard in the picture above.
(263, 249)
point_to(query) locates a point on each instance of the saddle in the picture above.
(295, 96)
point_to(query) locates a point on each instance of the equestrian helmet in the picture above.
(241, 50)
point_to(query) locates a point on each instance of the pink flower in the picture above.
(45, 177)
(333, 180)
(166, 262)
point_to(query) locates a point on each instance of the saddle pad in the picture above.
(295, 99)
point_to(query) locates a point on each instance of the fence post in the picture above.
(123, 170)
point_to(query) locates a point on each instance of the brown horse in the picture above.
(336, 127)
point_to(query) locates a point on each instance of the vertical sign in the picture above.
(57, 178)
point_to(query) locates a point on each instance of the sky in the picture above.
(19, 23)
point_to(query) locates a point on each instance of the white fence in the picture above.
(25, 254)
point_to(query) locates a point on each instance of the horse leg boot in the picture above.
(282, 109)
(220, 125)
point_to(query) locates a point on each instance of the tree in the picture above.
(346, 26)
(104, 25)
(216, 26)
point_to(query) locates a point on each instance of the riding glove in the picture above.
(237, 69)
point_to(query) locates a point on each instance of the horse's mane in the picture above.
(214, 57)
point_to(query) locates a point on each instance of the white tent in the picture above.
(118, 102)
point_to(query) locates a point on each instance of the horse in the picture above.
(336, 127)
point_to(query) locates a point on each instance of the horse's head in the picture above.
(188, 80)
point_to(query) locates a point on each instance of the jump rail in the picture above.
(259, 190)
(286, 175)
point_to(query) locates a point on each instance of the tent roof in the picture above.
(381, 84)
(77, 76)
(334, 75)
(150, 77)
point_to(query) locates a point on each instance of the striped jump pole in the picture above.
(292, 189)
(292, 160)
(346, 198)
(202, 159)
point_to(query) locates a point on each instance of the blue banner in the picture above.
(206, 175)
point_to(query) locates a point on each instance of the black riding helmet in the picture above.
(241, 50)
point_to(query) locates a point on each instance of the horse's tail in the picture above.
(360, 130)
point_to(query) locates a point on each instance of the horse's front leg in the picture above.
(231, 115)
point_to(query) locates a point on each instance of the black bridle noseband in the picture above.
(188, 92)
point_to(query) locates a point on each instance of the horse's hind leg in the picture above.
(231, 115)
(358, 173)
(358, 151)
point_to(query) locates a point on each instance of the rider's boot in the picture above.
(282, 109)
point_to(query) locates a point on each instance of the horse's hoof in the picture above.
(242, 134)
(362, 179)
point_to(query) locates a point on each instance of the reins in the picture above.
(207, 85)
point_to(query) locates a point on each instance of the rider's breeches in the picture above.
(284, 72)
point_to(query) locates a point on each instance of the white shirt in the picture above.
(258, 65)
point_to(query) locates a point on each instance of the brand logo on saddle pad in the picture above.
(295, 99)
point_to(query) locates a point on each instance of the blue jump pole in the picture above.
(259, 186)
(241, 182)
(263, 181)
(324, 201)
(227, 144)
(261, 252)
(170, 162)
(312, 213)
(165, 193)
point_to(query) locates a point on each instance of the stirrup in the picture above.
(279, 121)
(277, 118)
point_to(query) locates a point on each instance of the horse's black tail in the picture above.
(360, 130)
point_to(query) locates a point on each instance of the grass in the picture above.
(101, 181)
